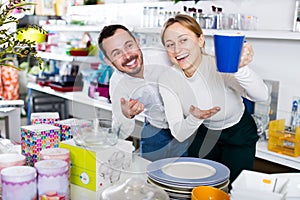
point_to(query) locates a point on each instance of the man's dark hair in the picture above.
(109, 31)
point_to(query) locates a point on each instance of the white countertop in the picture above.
(262, 152)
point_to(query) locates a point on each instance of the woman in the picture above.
(206, 104)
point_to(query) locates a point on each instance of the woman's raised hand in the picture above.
(247, 54)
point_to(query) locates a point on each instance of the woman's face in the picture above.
(183, 46)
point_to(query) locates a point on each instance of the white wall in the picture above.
(272, 14)
(274, 59)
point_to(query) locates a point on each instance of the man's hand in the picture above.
(203, 114)
(131, 108)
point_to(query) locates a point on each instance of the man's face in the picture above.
(124, 53)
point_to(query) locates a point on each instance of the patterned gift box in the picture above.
(65, 127)
(36, 137)
(44, 118)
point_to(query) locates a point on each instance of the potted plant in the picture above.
(12, 43)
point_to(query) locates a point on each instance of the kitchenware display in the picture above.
(178, 176)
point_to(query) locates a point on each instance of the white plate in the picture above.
(170, 188)
(186, 171)
(184, 189)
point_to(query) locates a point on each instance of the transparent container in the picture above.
(134, 188)
(95, 132)
(53, 177)
(11, 159)
(55, 153)
(58, 154)
(19, 183)
(283, 141)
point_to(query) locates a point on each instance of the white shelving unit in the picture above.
(279, 35)
(64, 57)
(76, 28)
(72, 28)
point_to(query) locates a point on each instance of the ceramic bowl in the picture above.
(209, 193)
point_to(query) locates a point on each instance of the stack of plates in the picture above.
(178, 176)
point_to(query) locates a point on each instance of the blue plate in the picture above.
(184, 171)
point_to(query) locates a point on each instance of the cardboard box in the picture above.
(98, 168)
(44, 118)
(65, 128)
(34, 138)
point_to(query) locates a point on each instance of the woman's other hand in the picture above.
(131, 108)
(247, 54)
(204, 114)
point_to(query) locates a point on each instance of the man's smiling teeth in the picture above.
(181, 56)
(131, 62)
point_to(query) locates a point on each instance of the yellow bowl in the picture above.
(209, 193)
(31, 34)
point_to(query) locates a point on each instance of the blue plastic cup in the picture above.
(228, 49)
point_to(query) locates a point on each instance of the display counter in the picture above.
(262, 151)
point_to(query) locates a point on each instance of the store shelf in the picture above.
(77, 96)
(72, 28)
(64, 57)
(75, 28)
(277, 35)
(263, 153)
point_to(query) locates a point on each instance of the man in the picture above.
(134, 89)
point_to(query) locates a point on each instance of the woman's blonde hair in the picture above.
(186, 21)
